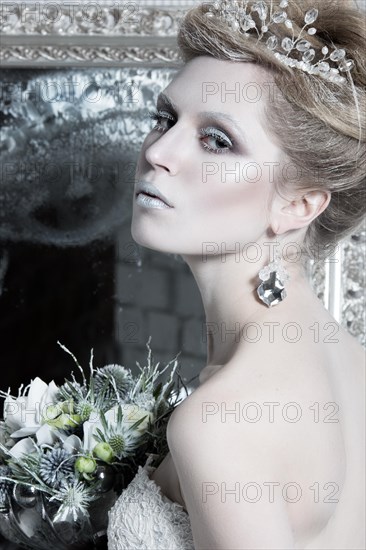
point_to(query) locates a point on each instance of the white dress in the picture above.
(143, 518)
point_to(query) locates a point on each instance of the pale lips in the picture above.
(149, 195)
(150, 190)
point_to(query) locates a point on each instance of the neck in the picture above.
(228, 288)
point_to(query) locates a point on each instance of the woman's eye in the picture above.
(158, 116)
(223, 142)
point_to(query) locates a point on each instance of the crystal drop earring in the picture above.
(274, 276)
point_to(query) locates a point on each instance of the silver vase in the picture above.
(27, 519)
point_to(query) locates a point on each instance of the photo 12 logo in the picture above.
(270, 411)
(63, 16)
(269, 491)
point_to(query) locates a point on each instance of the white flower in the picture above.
(72, 444)
(131, 414)
(23, 414)
(24, 446)
(45, 435)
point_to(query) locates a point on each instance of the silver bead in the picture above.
(262, 10)
(347, 65)
(25, 496)
(272, 42)
(308, 55)
(311, 16)
(337, 55)
(279, 16)
(247, 23)
(105, 477)
(287, 44)
(324, 67)
(303, 45)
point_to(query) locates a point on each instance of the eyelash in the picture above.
(157, 115)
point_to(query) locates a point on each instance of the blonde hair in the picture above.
(319, 125)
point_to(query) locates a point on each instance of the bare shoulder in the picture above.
(270, 394)
(259, 422)
(288, 396)
(283, 411)
(215, 457)
(270, 371)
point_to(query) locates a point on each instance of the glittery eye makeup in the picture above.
(224, 142)
(223, 124)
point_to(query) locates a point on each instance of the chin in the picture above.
(155, 238)
(144, 238)
(138, 235)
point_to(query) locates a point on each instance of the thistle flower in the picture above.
(120, 443)
(120, 439)
(145, 401)
(56, 466)
(71, 390)
(84, 409)
(113, 381)
(108, 417)
(117, 429)
(75, 499)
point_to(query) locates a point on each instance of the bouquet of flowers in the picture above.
(67, 452)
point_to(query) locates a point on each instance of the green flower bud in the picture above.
(104, 452)
(52, 412)
(67, 407)
(65, 421)
(85, 465)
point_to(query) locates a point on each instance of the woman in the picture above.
(257, 158)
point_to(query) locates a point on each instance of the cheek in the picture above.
(242, 199)
(229, 212)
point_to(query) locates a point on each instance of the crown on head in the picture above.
(299, 51)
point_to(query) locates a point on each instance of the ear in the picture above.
(300, 212)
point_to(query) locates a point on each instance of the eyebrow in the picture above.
(211, 114)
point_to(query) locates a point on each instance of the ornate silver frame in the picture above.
(123, 34)
(36, 34)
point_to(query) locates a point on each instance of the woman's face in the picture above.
(215, 169)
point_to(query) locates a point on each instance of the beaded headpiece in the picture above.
(299, 51)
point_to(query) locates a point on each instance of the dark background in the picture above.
(49, 295)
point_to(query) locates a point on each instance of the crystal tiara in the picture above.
(239, 18)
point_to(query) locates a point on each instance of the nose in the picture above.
(165, 150)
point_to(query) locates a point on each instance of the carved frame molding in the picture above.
(37, 35)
